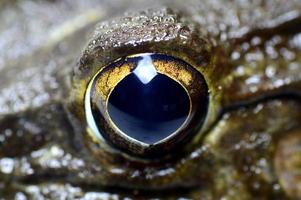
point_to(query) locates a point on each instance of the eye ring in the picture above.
(102, 85)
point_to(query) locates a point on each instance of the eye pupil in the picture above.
(148, 111)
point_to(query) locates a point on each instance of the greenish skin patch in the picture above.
(249, 54)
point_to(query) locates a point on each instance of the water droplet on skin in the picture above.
(237, 146)
(169, 19)
(2, 138)
(294, 66)
(288, 55)
(270, 71)
(117, 171)
(256, 185)
(272, 52)
(253, 80)
(278, 83)
(245, 46)
(258, 109)
(235, 55)
(256, 41)
(240, 70)
(262, 162)
(8, 132)
(165, 172)
(20, 196)
(276, 187)
(254, 56)
(223, 37)
(296, 41)
(6, 165)
(258, 171)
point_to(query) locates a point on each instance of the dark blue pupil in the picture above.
(151, 110)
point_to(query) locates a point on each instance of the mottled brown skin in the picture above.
(248, 51)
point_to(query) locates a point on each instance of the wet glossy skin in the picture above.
(251, 58)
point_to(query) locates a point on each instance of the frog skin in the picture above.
(252, 149)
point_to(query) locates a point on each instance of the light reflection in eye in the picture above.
(145, 70)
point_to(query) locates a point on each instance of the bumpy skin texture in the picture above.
(248, 51)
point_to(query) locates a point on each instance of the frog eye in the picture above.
(146, 104)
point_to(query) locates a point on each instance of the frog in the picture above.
(248, 51)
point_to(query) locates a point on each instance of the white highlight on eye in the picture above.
(89, 116)
(145, 70)
(6, 165)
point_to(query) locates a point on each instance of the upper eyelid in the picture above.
(149, 31)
